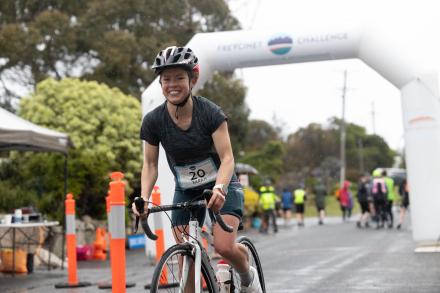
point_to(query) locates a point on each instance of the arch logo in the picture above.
(280, 44)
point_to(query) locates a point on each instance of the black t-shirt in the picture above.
(363, 192)
(190, 153)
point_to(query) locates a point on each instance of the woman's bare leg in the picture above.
(224, 242)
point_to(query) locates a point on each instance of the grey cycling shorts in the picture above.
(234, 204)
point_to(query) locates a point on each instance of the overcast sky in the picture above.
(298, 94)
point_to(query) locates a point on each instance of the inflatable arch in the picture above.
(411, 72)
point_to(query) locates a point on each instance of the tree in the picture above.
(103, 124)
(15, 192)
(376, 152)
(309, 146)
(259, 134)
(268, 162)
(230, 95)
(104, 40)
(313, 151)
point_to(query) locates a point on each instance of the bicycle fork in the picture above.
(194, 237)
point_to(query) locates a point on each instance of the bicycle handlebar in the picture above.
(140, 206)
(207, 193)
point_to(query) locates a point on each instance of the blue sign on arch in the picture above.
(280, 44)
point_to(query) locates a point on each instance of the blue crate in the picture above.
(136, 241)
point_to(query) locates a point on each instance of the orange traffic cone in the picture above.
(160, 242)
(99, 245)
(72, 276)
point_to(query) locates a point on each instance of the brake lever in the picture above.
(140, 206)
(207, 193)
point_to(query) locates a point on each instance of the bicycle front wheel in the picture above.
(254, 261)
(168, 272)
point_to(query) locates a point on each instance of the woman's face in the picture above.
(175, 84)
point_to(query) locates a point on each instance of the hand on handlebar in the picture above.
(217, 200)
(138, 210)
(207, 193)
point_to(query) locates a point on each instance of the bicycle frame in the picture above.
(193, 239)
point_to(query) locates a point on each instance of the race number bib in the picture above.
(197, 174)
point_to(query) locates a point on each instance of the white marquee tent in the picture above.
(19, 134)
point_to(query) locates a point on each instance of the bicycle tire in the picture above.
(254, 260)
(168, 261)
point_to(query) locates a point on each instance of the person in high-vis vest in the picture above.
(299, 195)
(267, 204)
(389, 182)
(277, 209)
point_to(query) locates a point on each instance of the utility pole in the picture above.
(373, 117)
(343, 133)
(361, 156)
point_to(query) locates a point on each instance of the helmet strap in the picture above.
(181, 104)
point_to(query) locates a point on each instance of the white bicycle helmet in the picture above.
(175, 57)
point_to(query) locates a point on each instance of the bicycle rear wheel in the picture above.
(254, 261)
(166, 277)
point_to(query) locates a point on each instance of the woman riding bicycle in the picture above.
(194, 134)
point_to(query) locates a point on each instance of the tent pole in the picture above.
(65, 174)
(64, 220)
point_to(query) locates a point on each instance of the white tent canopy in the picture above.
(19, 134)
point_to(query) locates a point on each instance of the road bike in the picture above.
(172, 272)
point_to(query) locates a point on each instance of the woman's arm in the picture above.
(149, 172)
(223, 147)
(149, 169)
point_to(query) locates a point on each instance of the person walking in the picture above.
(267, 204)
(363, 194)
(390, 199)
(320, 192)
(299, 200)
(379, 192)
(344, 200)
(404, 193)
(350, 204)
(287, 204)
